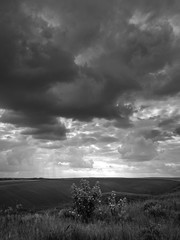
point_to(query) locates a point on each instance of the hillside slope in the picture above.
(55, 192)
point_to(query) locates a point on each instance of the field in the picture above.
(48, 193)
(151, 212)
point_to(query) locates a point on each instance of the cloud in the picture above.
(137, 148)
(91, 75)
(41, 44)
(75, 158)
(40, 76)
(171, 84)
(108, 139)
(39, 126)
(177, 130)
(20, 159)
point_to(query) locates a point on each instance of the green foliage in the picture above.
(119, 208)
(155, 209)
(86, 199)
(12, 211)
(151, 232)
(67, 213)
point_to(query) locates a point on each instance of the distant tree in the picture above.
(86, 199)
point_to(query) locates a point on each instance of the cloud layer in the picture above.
(110, 67)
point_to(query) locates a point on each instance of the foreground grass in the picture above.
(161, 222)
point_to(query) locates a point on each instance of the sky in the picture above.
(89, 88)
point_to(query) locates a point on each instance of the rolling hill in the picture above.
(47, 193)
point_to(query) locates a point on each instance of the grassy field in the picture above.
(151, 212)
(49, 193)
(143, 222)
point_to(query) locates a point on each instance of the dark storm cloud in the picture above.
(40, 126)
(30, 64)
(152, 134)
(119, 123)
(177, 130)
(40, 41)
(172, 85)
(170, 122)
(108, 139)
(80, 20)
(48, 131)
(156, 134)
(171, 125)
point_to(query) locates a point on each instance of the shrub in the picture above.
(155, 209)
(176, 217)
(151, 232)
(102, 214)
(67, 213)
(86, 199)
(118, 209)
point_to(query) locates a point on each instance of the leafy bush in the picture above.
(67, 213)
(151, 232)
(102, 213)
(86, 199)
(118, 209)
(176, 217)
(18, 209)
(155, 209)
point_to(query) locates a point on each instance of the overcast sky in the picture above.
(89, 88)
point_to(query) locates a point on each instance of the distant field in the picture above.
(46, 193)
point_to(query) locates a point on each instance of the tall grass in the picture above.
(147, 220)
